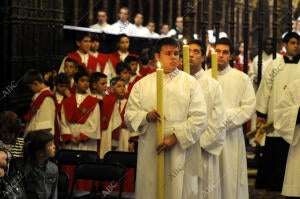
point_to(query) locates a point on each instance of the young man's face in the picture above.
(292, 47)
(102, 17)
(119, 89)
(138, 20)
(196, 57)
(125, 74)
(133, 66)
(124, 44)
(83, 84)
(94, 46)
(70, 69)
(101, 86)
(123, 15)
(61, 88)
(84, 45)
(224, 56)
(168, 58)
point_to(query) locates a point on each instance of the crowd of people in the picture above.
(107, 102)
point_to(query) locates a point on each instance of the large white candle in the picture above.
(160, 131)
(214, 65)
(186, 57)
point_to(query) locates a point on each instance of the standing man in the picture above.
(278, 75)
(178, 30)
(212, 139)
(102, 22)
(286, 123)
(239, 100)
(123, 26)
(185, 120)
(138, 29)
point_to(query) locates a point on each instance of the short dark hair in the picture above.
(115, 80)
(32, 75)
(80, 74)
(69, 59)
(200, 44)
(62, 78)
(121, 66)
(121, 36)
(94, 78)
(36, 141)
(80, 35)
(290, 35)
(130, 58)
(225, 41)
(165, 41)
(95, 37)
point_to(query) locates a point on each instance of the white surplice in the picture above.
(276, 78)
(185, 116)
(285, 116)
(212, 140)
(44, 118)
(239, 99)
(90, 128)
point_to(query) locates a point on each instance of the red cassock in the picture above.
(115, 58)
(90, 67)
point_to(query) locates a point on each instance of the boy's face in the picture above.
(94, 46)
(125, 74)
(50, 150)
(61, 88)
(101, 86)
(124, 44)
(34, 87)
(70, 69)
(84, 45)
(133, 66)
(292, 47)
(168, 58)
(83, 84)
(119, 89)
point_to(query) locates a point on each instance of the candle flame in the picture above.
(212, 49)
(158, 64)
(184, 41)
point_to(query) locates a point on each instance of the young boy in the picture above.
(80, 116)
(42, 110)
(133, 64)
(62, 91)
(82, 56)
(71, 68)
(98, 85)
(123, 71)
(114, 130)
(101, 58)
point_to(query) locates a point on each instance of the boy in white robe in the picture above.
(42, 110)
(212, 140)
(286, 123)
(80, 117)
(277, 76)
(185, 120)
(239, 100)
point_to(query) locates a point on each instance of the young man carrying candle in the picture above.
(184, 119)
(212, 140)
(239, 100)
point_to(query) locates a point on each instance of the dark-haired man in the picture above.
(185, 120)
(239, 101)
(280, 72)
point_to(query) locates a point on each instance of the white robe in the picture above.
(185, 115)
(285, 116)
(212, 140)
(239, 99)
(276, 78)
(90, 128)
(44, 118)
